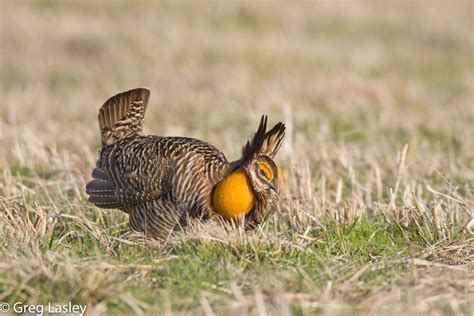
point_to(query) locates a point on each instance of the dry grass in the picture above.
(377, 211)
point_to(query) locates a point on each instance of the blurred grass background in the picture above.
(354, 82)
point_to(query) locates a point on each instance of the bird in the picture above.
(163, 182)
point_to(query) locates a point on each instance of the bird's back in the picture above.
(154, 166)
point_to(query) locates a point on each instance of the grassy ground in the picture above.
(378, 162)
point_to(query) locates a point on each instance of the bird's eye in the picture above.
(265, 170)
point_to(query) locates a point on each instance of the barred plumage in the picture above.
(162, 182)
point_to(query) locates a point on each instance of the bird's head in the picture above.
(251, 187)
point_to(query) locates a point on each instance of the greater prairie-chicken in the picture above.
(162, 182)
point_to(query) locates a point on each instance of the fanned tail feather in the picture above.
(122, 115)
